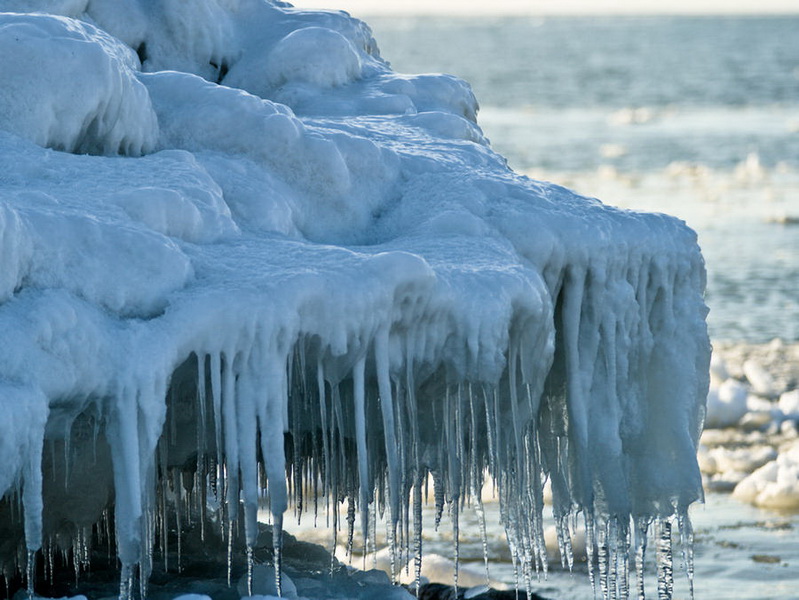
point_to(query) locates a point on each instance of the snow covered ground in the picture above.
(241, 257)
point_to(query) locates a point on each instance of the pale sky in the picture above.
(553, 7)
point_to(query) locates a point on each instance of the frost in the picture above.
(319, 287)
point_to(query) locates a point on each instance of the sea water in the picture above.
(697, 117)
(692, 116)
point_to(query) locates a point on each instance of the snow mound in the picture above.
(319, 279)
(314, 55)
(69, 86)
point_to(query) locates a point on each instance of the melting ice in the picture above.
(241, 258)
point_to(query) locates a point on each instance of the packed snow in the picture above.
(240, 252)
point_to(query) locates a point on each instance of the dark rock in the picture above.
(440, 591)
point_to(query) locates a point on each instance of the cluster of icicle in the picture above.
(369, 428)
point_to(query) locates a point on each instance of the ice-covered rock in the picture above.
(318, 267)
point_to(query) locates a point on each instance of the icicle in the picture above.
(389, 429)
(231, 437)
(687, 542)
(481, 516)
(126, 582)
(492, 448)
(202, 443)
(320, 382)
(48, 562)
(249, 569)
(360, 440)
(455, 541)
(564, 542)
(665, 561)
(392, 552)
(641, 531)
(417, 532)
(350, 526)
(31, 572)
(372, 546)
(229, 552)
(178, 524)
(624, 562)
(277, 550)
(589, 548)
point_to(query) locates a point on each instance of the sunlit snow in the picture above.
(236, 248)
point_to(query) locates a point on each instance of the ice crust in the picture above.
(278, 236)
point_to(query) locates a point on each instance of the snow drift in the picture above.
(238, 251)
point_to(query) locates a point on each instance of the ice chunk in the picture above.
(775, 484)
(726, 404)
(761, 380)
(789, 404)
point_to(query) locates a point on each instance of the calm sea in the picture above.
(692, 116)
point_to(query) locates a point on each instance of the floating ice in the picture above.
(726, 404)
(789, 404)
(760, 379)
(317, 285)
(775, 484)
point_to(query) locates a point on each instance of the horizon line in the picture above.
(509, 8)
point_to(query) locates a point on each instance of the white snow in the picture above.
(257, 221)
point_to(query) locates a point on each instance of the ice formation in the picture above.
(242, 259)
